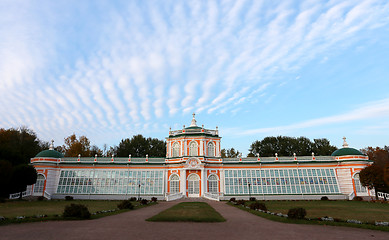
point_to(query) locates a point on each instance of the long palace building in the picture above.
(193, 167)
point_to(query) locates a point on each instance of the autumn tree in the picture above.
(229, 153)
(376, 175)
(74, 146)
(139, 146)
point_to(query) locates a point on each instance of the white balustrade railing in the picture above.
(173, 196)
(383, 196)
(212, 196)
(17, 195)
(47, 195)
(351, 196)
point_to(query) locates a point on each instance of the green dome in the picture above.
(49, 154)
(346, 152)
(193, 127)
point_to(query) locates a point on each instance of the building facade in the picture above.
(193, 168)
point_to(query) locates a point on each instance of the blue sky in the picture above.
(112, 69)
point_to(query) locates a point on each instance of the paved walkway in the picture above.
(132, 225)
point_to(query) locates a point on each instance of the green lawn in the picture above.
(188, 212)
(363, 211)
(13, 209)
(367, 212)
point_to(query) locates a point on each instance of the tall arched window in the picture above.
(211, 149)
(176, 149)
(174, 184)
(212, 184)
(193, 148)
(40, 184)
(358, 186)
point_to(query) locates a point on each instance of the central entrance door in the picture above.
(193, 185)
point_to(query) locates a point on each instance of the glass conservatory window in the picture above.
(279, 181)
(212, 184)
(174, 184)
(40, 184)
(358, 186)
(211, 149)
(176, 149)
(193, 148)
(91, 181)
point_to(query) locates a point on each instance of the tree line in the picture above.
(287, 146)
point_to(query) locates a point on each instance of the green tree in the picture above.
(95, 150)
(22, 175)
(229, 153)
(286, 146)
(322, 147)
(5, 177)
(19, 145)
(139, 146)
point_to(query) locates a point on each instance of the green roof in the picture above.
(50, 154)
(346, 152)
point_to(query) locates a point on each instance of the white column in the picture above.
(201, 148)
(181, 148)
(164, 182)
(183, 182)
(203, 180)
(217, 148)
(169, 149)
(185, 148)
(222, 185)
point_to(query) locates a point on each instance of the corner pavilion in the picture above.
(193, 168)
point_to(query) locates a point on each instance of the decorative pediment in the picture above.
(193, 163)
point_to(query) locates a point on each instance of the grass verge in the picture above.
(188, 212)
(41, 211)
(306, 221)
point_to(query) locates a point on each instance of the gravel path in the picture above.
(132, 225)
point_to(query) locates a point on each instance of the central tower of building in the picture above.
(190, 151)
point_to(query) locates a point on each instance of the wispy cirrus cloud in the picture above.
(134, 63)
(373, 110)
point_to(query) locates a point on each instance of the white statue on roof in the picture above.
(51, 147)
(345, 144)
(193, 123)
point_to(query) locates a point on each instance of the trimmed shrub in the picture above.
(297, 213)
(232, 199)
(252, 199)
(154, 199)
(324, 198)
(258, 205)
(40, 198)
(132, 199)
(68, 198)
(357, 198)
(125, 204)
(76, 211)
(241, 202)
(143, 202)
